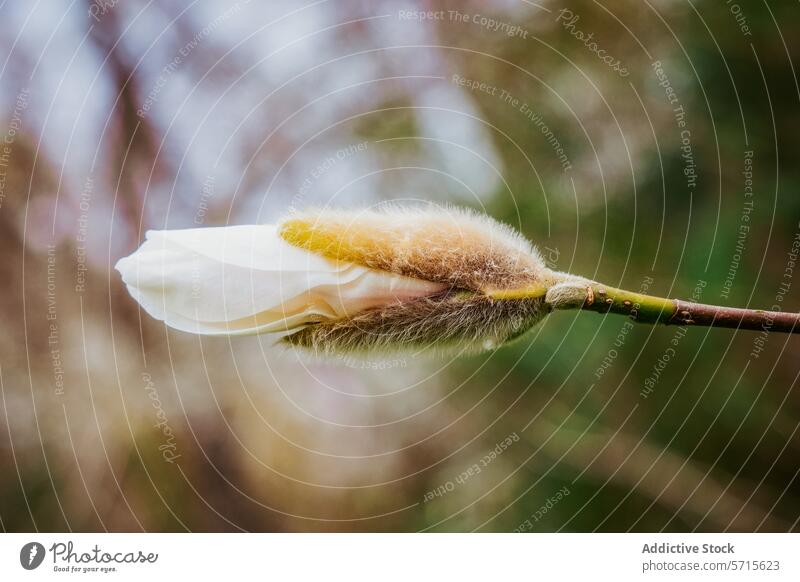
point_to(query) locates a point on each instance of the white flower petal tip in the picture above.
(243, 280)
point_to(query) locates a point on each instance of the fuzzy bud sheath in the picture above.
(498, 286)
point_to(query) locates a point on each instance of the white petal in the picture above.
(246, 279)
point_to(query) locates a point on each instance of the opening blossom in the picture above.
(241, 280)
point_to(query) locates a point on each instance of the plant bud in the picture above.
(352, 281)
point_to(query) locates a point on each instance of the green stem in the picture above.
(563, 291)
(639, 307)
(649, 309)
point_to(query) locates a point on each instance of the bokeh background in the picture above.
(651, 145)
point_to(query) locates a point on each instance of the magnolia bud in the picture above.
(352, 281)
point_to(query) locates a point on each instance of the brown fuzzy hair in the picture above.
(447, 323)
(449, 245)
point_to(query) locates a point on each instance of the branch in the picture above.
(591, 296)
